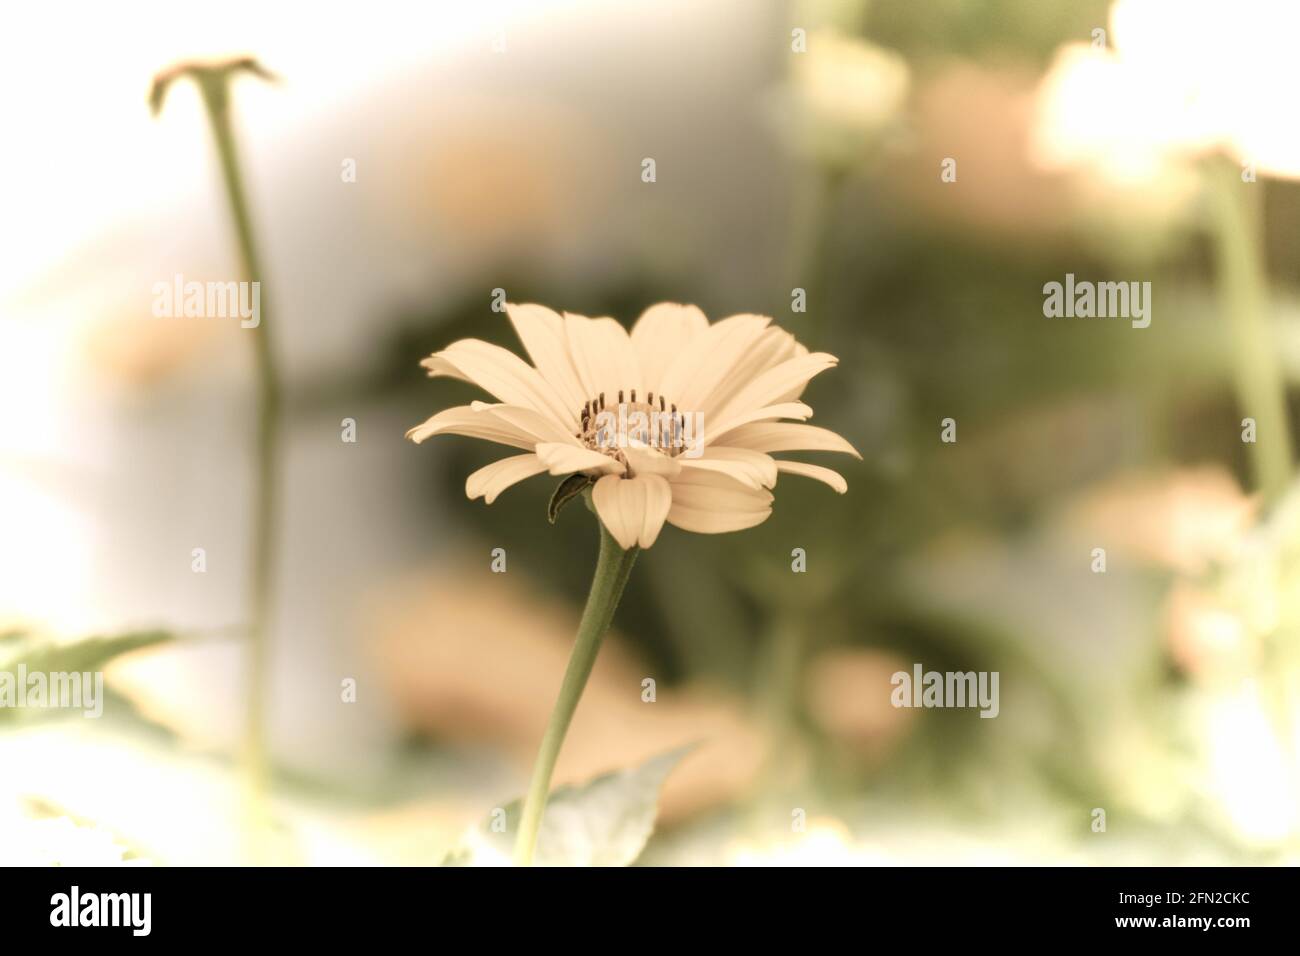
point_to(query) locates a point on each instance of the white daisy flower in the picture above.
(676, 421)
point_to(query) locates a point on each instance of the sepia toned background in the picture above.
(797, 145)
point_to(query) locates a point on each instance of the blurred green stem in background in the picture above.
(1237, 207)
(779, 690)
(779, 696)
(613, 567)
(213, 81)
(1243, 288)
(810, 252)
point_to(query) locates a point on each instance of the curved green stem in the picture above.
(778, 692)
(612, 570)
(262, 546)
(1260, 388)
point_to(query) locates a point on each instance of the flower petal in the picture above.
(706, 521)
(541, 427)
(832, 478)
(565, 459)
(754, 468)
(602, 356)
(632, 509)
(770, 349)
(770, 413)
(643, 460)
(800, 350)
(490, 480)
(476, 423)
(708, 359)
(786, 436)
(660, 333)
(769, 386)
(710, 503)
(542, 333)
(504, 374)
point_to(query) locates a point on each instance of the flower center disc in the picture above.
(653, 423)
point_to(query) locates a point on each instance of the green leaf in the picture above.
(87, 654)
(41, 655)
(605, 822)
(567, 490)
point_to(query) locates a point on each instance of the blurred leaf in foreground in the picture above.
(602, 823)
(39, 655)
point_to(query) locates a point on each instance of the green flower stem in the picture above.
(810, 251)
(266, 456)
(1259, 381)
(778, 695)
(612, 570)
(1261, 391)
